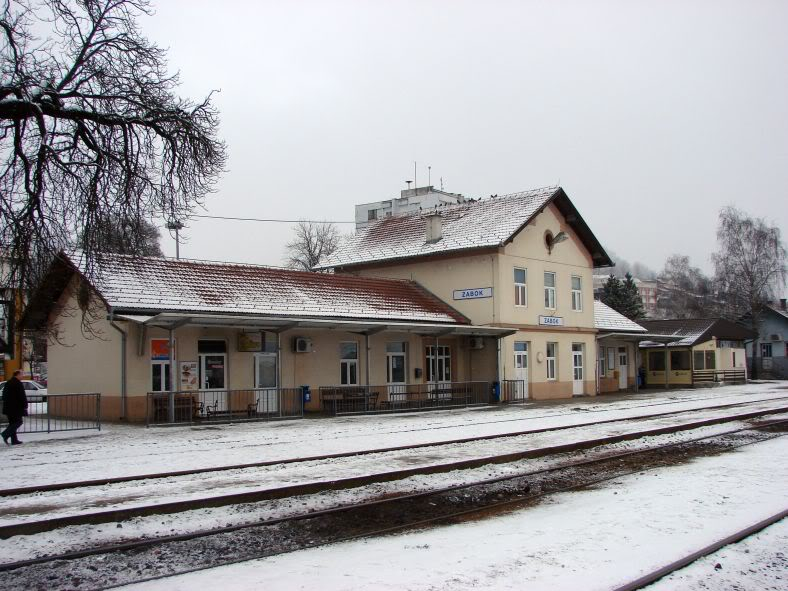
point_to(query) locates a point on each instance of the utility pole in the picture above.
(177, 226)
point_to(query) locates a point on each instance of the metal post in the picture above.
(173, 375)
(666, 365)
(366, 371)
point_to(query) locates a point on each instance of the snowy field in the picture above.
(590, 540)
(627, 528)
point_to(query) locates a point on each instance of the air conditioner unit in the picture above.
(477, 343)
(302, 345)
(777, 337)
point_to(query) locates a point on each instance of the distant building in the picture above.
(647, 288)
(409, 201)
(772, 342)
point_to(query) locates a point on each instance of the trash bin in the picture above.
(307, 393)
(496, 391)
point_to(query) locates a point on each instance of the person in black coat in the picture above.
(14, 407)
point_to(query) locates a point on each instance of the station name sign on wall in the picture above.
(551, 320)
(473, 293)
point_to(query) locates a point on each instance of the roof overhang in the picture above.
(639, 336)
(174, 320)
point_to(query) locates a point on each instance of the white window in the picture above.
(577, 362)
(766, 349)
(348, 363)
(611, 358)
(440, 365)
(549, 290)
(372, 214)
(552, 349)
(577, 293)
(520, 287)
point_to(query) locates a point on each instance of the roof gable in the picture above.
(698, 330)
(486, 223)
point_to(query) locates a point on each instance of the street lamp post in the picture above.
(176, 225)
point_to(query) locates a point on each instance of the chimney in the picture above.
(434, 227)
(782, 305)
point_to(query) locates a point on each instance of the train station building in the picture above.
(467, 303)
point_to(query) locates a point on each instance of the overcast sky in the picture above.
(651, 115)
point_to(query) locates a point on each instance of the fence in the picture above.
(254, 404)
(710, 376)
(61, 412)
(513, 391)
(339, 400)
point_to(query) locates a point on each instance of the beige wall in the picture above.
(609, 383)
(77, 363)
(528, 250)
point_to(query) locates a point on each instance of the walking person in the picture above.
(14, 407)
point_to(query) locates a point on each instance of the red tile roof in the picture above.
(160, 284)
(475, 224)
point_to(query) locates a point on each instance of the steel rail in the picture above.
(135, 545)
(178, 473)
(416, 524)
(706, 550)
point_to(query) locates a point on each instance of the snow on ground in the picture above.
(74, 538)
(759, 562)
(147, 492)
(592, 539)
(120, 450)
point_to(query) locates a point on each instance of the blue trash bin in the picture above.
(496, 392)
(307, 393)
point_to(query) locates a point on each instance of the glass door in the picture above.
(577, 369)
(396, 373)
(521, 370)
(265, 381)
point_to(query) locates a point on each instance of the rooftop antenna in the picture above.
(429, 176)
(441, 183)
(415, 178)
(176, 225)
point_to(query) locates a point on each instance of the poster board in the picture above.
(188, 376)
(250, 341)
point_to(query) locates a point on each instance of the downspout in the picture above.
(123, 391)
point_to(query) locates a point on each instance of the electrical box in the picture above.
(302, 345)
(477, 343)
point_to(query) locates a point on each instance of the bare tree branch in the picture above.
(91, 130)
(311, 243)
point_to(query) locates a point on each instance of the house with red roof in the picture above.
(180, 340)
(523, 261)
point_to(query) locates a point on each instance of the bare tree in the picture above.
(684, 291)
(750, 267)
(312, 241)
(135, 237)
(91, 129)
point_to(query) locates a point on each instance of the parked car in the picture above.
(35, 392)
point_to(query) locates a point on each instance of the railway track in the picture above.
(120, 514)
(119, 564)
(676, 565)
(133, 450)
(177, 473)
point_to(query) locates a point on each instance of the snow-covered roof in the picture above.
(151, 284)
(485, 223)
(692, 331)
(608, 320)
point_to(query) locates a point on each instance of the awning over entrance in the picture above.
(173, 320)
